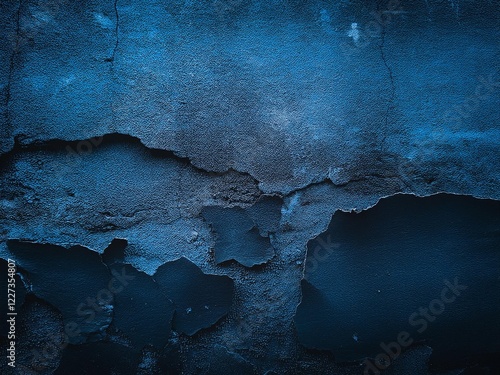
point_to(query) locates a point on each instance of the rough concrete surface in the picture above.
(137, 133)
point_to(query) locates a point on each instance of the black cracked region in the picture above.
(74, 280)
(109, 310)
(200, 300)
(408, 270)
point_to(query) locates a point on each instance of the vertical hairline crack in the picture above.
(117, 30)
(15, 50)
(390, 105)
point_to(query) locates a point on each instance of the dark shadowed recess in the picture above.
(115, 252)
(142, 311)
(72, 280)
(223, 361)
(200, 300)
(98, 358)
(408, 270)
(39, 339)
(242, 234)
(413, 361)
(71, 149)
(113, 318)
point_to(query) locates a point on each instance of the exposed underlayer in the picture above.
(218, 142)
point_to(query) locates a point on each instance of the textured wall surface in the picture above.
(206, 187)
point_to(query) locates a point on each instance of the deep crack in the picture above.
(390, 105)
(56, 144)
(117, 41)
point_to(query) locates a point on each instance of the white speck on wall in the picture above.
(281, 119)
(188, 310)
(355, 337)
(290, 204)
(354, 32)
(67, 80)
(103, 21)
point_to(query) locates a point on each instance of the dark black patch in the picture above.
(399, 257)
(115, 252)
(103, 358)
(142, 311)
(40, 339)
(74, 280)
(200, 300)
(224, 362)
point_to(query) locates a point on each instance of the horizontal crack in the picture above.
(81, 148)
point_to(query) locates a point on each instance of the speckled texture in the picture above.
(325, 105)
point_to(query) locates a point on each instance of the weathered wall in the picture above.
(308, 106)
